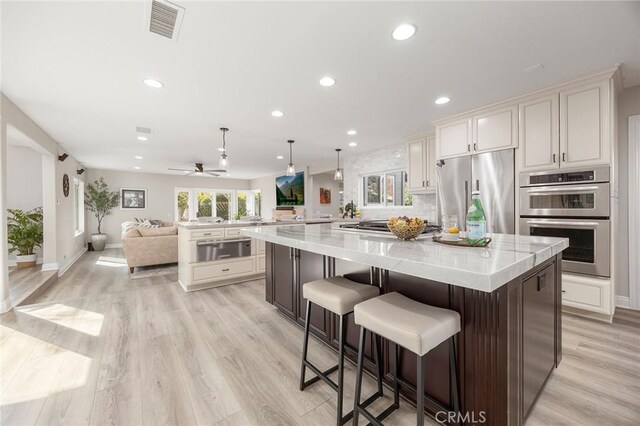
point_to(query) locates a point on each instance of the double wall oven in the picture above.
(573, 204)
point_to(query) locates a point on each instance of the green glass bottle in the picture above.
(476, 220)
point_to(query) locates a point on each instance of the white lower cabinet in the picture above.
(194, 275)
(590, 294)
(221, 270)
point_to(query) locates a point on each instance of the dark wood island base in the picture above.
(509, 344)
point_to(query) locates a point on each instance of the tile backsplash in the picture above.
(388, 159)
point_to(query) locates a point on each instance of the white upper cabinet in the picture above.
(495, 129)
(539, 134)
(585, 125)
(422, 164)
(417, 165)
(454, 138)
(431, 163)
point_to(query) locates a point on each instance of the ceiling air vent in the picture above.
(143, 130)
(165, 18)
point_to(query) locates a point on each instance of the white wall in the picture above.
(61, 244)
(392, 158)
(24, 181)
(324, 180)
(628, 105)
(160, 196)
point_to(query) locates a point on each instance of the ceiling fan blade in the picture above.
(212, 174)
(179, 170)
(215, 170)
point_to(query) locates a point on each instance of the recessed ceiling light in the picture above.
(327, 81)
(442, 100)
(279, 157)
(352, 144)
(352, 132)
(153, 83)
(138, 157)
(277, 113)
(143, 138)
(404, 32)
(137, 168)
(228, 174)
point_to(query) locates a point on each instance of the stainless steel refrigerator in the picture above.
(492, 174)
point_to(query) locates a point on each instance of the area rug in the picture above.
(154, 271)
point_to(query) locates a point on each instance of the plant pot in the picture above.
(98, 241)
(26, 261)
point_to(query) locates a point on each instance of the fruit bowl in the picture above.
(406, 228)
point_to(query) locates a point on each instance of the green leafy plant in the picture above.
(24, 230)
(100, 201)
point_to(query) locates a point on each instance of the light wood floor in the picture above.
(98, 348)
(27, 282)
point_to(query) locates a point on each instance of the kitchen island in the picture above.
(508, 296)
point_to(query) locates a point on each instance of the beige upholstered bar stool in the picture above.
(414, 326)
(338, 295)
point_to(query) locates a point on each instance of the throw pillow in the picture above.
(155, 222)
(148, 224)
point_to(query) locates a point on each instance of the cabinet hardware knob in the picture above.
(554, 158)
(564, 157)
(468, 148)
(422, 183)
(475, 146)
(225, 270)
(427, 183)
(564, 291)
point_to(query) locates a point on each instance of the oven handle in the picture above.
(542, 224)
(210, 242)
(553, 191)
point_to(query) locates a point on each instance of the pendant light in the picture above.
(338, 174)
(291, 169)
(224, 161)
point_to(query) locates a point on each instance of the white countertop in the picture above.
(264, 222)
(485, 269)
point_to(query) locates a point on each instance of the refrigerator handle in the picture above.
(466, 197)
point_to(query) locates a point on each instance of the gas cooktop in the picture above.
(381, 226)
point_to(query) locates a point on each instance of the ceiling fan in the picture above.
(199, 170)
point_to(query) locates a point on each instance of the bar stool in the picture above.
(338, 295)
(414, 326)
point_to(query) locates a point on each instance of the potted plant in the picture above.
(100, 201)
(24, 234)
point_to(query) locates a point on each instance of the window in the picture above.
(386, 189)
(78, 206)
(192, 203)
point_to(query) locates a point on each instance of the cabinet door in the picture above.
(454, 139)
(311, 267)
(417, 154)
(430, 168)
(284, 291)
(539, 143)
(585, 125)
(538, 334)
(496, 129)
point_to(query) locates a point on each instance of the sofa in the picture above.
(145, 246)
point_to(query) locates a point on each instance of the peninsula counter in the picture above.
(508, 296)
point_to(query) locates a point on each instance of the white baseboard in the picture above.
(114, 245)
(5, 306)
(50, 266)
(12, 262)
(623, 302)
(64, 268)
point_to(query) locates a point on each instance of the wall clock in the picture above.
(65, 185)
